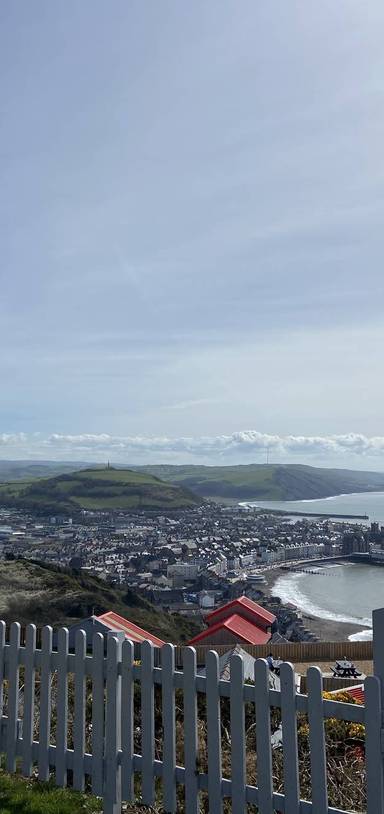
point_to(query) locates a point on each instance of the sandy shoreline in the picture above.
(327, 630)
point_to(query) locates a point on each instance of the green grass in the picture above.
(268, 481)
(28, 796)
(96, 489)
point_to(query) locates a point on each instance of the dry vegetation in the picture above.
(345, 743)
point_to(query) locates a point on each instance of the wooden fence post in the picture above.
(79, 712)
(13, 696)
(374, 711)
(45, 702)
(169, 728)
(2, 675)
(98, 717)
(62, 708)
(190, 732)
(29, 699)
(112, 787)
(127, 721)
(214, 734)
(317, 741)
(147, 724)
(237, 713)
(289, 728)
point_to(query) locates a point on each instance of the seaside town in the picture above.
(190, 562)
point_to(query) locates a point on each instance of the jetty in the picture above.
(321, 515)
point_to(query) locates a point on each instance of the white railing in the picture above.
(75, 713)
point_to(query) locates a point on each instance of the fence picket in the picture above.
(62, 707)
(147, 723)
(2, 676)
(238, 770)
(112, 789)
(13, 696)
(127, 720)
(45, 702)
(169, 728)
(317, 741)
(190, 732)
(29, 699)
(289, 728)
(263, 738)
(373, 745)
(98, 703)
(214, 734)
(79, 716)
(112, 762)
(378, 669)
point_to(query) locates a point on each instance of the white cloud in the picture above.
(239, 447)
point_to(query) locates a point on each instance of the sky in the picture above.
(191, 238)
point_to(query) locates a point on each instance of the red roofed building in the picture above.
(132, 632)
(231, 630)
(240, 621)
(109, 623)
(246, 608)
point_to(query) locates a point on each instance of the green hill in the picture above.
(96, 489)
(268, 482)
(35, 592)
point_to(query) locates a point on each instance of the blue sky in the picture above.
(191, 209)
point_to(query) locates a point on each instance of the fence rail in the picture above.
(299, 652)
(74, 714)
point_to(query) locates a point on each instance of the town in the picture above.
(190, 562)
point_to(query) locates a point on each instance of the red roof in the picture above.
(132, 631)
(356, 692)
(237, 605)
(239, 627)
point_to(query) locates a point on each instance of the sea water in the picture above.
(340, 592)
(370, 503)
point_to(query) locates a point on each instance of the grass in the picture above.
(268, 481)
(96, 489)
(28, 796)
(19, 795)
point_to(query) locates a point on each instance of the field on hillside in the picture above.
(268, 481)
(96, 489)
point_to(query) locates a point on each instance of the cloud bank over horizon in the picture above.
(247, 446)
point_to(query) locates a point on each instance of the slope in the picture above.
(35, 592)
(268, 481)
(96, 489)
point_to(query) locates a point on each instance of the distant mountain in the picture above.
(27, 470)
(268, 482)
(44, 594)
(96, 489)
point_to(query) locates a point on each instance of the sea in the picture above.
(370, 503)
(336, 591)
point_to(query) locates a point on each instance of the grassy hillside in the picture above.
(40, 593)
(104, 489)
(268, 482)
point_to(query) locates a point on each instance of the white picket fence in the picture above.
(34, 683)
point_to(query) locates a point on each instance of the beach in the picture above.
(327, 630)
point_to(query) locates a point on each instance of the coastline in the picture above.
(327, 630)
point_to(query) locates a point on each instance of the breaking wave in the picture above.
(288, 589)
